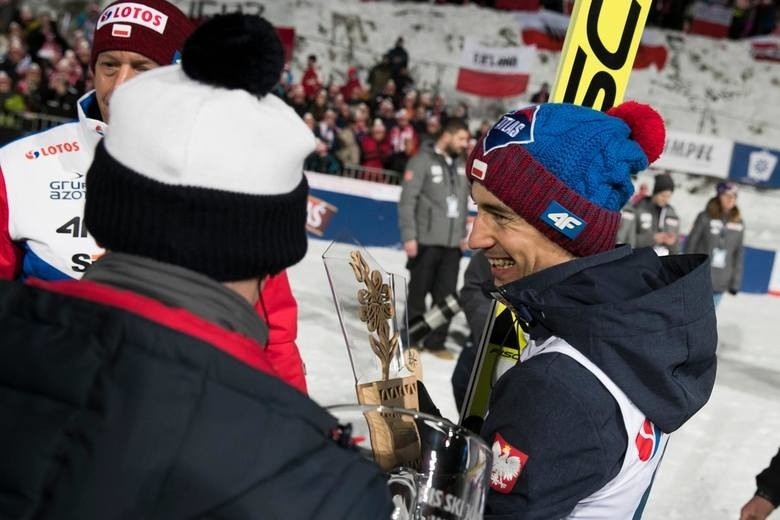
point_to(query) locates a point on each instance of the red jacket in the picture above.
(278, 308)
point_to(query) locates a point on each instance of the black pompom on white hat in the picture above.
(201, 167)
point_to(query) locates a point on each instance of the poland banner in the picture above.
(494, 72)
(711, 19)
(765, 48)
(697, 154)
(547, 30)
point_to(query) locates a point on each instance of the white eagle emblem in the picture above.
(506, 467)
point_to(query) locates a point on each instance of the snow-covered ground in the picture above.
(709, 466)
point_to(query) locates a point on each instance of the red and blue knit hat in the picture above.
(566, 169)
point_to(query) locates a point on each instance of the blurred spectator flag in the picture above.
(494, 71)
(547, 30)
(517, 5)
(711, 19)
(287, 36)
(765, 48)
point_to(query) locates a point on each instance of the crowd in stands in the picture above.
(749, 17)
(42, 70)
(373, 127)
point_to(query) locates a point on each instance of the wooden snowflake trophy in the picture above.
(371, 306)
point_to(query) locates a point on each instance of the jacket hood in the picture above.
(647, 322)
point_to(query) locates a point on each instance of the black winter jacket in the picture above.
(115, 406)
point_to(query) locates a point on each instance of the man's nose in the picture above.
(125, 73)
(480, 237)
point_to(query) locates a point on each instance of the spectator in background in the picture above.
(352, 85)
(310, 122)
(656, 221)
(431, 132)
(321, 160)
(362, 117)
(432, 216)
(62, 98)
(11, 104)
(348, 146)
(32, 88)
(439, 108)
(297, 100)
(767, 496)
(403, 140)
(319, 104)
(542, 95)
(378, 76)
(719, 232)
(16, 61)
(387, 94)
(386, 113)
(398, 57)
(403, 84)
(311, 81)
(327, 130)
(376, 146)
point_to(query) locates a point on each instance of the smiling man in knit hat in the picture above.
(621, 343)
(144, 390)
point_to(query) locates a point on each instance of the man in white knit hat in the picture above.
(143, 390)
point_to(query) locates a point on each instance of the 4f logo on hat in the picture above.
(563, 220)
(513, 128)
(508, 463)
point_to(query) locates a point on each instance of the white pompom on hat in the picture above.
(201, 167)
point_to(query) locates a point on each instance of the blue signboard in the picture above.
(757, 166)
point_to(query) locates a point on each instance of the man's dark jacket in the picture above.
(114, 406)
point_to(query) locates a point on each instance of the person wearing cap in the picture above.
(655, 220)
(42, 185)
(143, 390)
(432, 215)
(621, 342)
(719, 231)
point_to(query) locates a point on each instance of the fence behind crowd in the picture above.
(16, 125)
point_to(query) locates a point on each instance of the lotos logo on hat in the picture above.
(563, 220)
(513, 128)
(130, 12)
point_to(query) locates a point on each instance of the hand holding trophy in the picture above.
(434, 467)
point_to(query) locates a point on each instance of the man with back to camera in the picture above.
(432, 218)
(143, 390)
(42, 184)
(621, 347)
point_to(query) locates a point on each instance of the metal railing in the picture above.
(366, 173)
(14, 125)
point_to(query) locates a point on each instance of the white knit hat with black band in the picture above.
(201, 167)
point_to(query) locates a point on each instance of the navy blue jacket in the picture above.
(647, 322)
(106, 412)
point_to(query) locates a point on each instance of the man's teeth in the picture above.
(501, 262)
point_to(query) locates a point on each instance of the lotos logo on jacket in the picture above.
(647, 440)
(318, 215)
(508, 463)
(139, 14)
(53, 149)
(513, 128)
